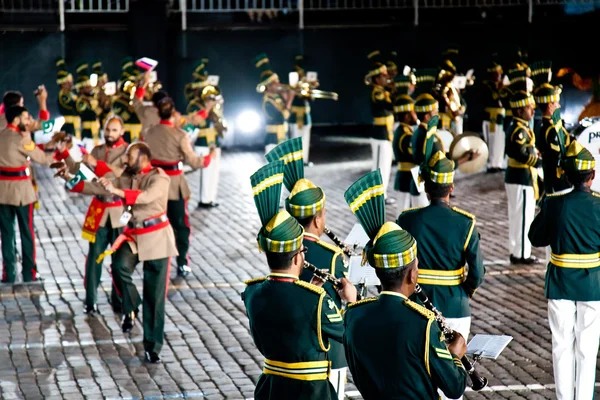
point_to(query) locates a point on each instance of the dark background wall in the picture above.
(337, 54)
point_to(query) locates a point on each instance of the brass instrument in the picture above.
(213, 93)
(210, 92)
(477, 382)
(129, 88)
(303, 89)
(338, 242)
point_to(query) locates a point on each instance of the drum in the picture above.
(447, 137)
(464, 143)
(587, 134)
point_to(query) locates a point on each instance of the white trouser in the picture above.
(457, 124)
(209, 176)
(521, 210)
(575, 327)
(495, 141)
(462, 326)
(382, 159)
(305, 134)
(337, 377)
(406, 201)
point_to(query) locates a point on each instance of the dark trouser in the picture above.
(156, 275)
(24, 216)
(178, 217)
(106, 235)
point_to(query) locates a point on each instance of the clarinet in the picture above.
(338, 242)
(478, 382)
(327, 277)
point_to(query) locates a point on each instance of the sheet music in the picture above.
(357, 236)
(357, 272)
(414, 171)
(488, 346)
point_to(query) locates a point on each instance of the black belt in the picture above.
(14, 174)
(148, 223)
(108, 199)
(174, 167)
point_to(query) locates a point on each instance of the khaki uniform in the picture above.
(150, 239)
(17, 198)
(171, 148)
(132, 124)
(147, 114)
(102, 223)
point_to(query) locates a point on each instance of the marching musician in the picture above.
(122, 104)
(521, 174)
(104, 101)
(67, 100)
(300, 118)
(568, 223)
(291, 321)
(493, 117)
(442, 256)
(547, 99)
(102, 224)
(394, 347)
(404, 109)
(148, 238)
(451, 111)
(17, 194)
(306, 203)
(87, 108)
(171, 149)
(276, 103)
(382, 109)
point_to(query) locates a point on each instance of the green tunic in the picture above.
(443, 254)
(88, 112)
(132, 124)
(300, 114)
(382, 110)
(207, 135)
(328, 257)
(522, 157)
(418, 143)
(395, 350)
(546, 141)
(67, 108)
(292, 322)
(276, 116)
(570, 225)
(404, 157)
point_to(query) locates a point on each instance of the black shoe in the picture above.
(530, 261)
(91, 309)
(212, 204)
(183, 270)
(128, 322)
(152, 357)
(515, 260)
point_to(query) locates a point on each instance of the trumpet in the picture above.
(304, 89)
(338, 242)
(477, 382)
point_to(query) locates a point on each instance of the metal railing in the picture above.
(28, 6)
(96, 6)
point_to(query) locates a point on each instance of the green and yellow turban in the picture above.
(83, 75)
(426, 103)
(403, 83)
(521, 99)
(439, 169)
(389, 246)
(266, 74)
(280, 232)
(63, 74)
(305, 199)
(547, 93)
(403, 103)
(578, 159)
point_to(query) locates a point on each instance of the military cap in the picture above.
(266, 74)
(390, 63)
(98, 69)
(279, 232)
(305, 199)
(83, 75)
(451, 53)
(439, 169)
(518, 80)
(494, 66)
(425, 80)
(578, 159)
(126, 63)
(404, 82)
(299, 64)
(378, 66)
(547, 93)
(200, 72)
(389, 245)
(541, 72)
(426, 103)
(521, 99)
(403, 103)
(63, 74)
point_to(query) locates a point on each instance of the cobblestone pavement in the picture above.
(50, 349)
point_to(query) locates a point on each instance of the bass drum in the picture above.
(464, 143)
(447, 137)
(587, 134)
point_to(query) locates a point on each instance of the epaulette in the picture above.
(363, 301)
(420, 309)
(563, 193)
(463, 212)
(411, 209)
(330, 246)
(255, 280)
(309, 286)
(595, 194)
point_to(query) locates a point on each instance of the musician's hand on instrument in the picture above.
(317, 281)
(89, 160)
(458, 346)
(347, 291)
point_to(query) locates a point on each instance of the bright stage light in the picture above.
(248, 121)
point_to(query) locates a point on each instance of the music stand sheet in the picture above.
(357, 236)
(362, 273)
(488, 346)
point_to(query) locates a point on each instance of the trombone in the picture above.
(303, 89)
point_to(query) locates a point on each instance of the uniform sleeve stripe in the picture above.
(334, 317)
(442, 351)
(444, 356)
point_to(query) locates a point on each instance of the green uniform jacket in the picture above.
(331, 258)
(205, 138)
(492, 103)
(570, 225)
(396, 351)
(546, 141)
(276, 116)
(67, 108)
(133, 126)
(505, 94)
(292, 322)
(444, 250)
(522, 156)
(88, 113)
(404, 157)
(418, 144)
(300, 111)
(382, 110)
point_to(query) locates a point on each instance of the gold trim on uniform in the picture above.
(441, 278)
(279, 130)
(303, 371)
(575, 260)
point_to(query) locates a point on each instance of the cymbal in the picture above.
(464, 143)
